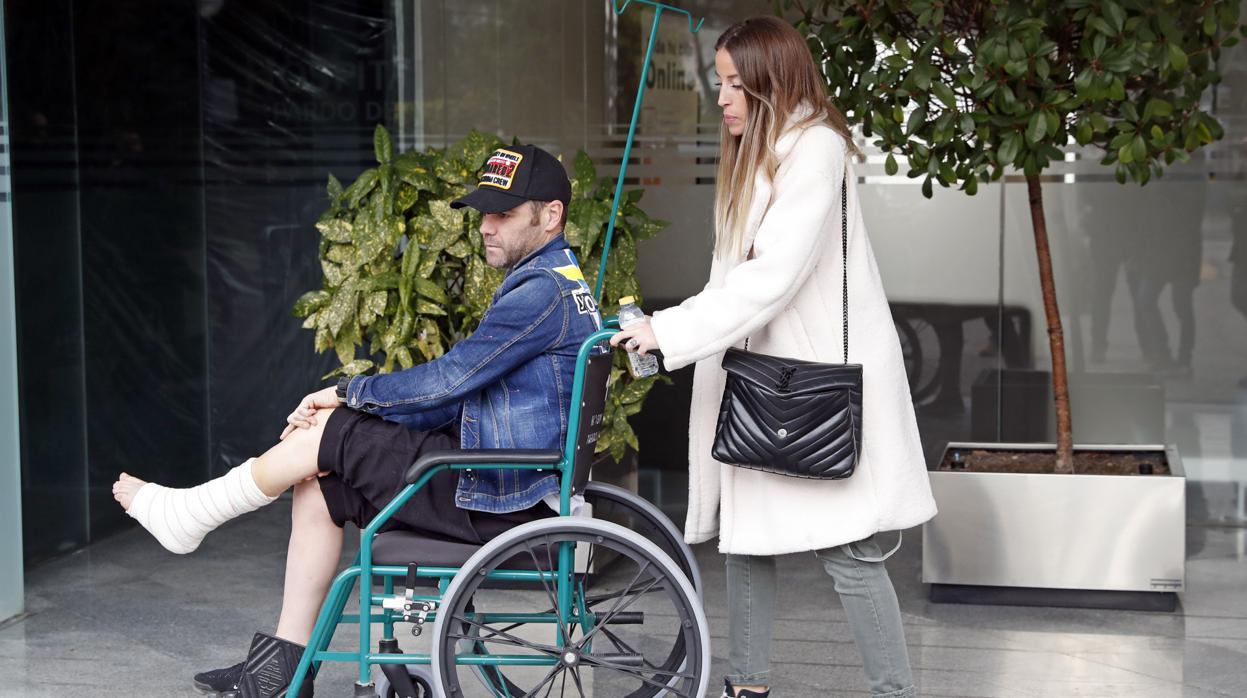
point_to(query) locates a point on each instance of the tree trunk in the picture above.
(1056, 336)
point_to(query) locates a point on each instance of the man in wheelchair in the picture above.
(346, 448)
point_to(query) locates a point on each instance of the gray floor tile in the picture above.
(124, 608)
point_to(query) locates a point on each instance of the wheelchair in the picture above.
(571, 605)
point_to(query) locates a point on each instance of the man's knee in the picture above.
(311, 435)
(309, 507)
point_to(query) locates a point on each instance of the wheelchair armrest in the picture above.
(472, 456)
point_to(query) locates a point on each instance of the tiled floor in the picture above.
(124, 618)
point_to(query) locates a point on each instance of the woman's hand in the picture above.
(638, 338)
(304, 416)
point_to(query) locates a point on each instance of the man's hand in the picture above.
(304, 416)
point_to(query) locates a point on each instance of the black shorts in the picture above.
(367, 458)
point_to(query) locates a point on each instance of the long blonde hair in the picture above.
(779, 77)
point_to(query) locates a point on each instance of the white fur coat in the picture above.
(787, 299)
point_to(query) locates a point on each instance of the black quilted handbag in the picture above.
(793, 417)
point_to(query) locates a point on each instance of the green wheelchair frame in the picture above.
(572, 651)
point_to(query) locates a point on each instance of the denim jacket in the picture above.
(508, 385)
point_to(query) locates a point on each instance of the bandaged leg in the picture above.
(180, 518)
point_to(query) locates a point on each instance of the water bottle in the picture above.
(629, 314)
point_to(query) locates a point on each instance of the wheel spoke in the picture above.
(602, 622)
(635, 671)
(549, 593)
(595, 600)
(554, 670)
(513, 640)
(619, 599)
(624, 647)
(576, 678)
(632, 671)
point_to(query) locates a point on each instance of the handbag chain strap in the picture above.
(844, 258)
(844, 254)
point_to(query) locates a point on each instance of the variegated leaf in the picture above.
(382, 145)
(341, 309)
(324, 338)
(342, 254)
(335, 230)
(392, 229)
(406, 197)
(333, 189)
(344, 342)
(356, 367)
(333, 273)
(431, 290)
(384, 281)
(426, 308)
(309, 302)
(574, 235)
(375, 302)
(428, 262)
(361, 187)
(404, 357)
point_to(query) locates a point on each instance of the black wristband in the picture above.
(343, 382)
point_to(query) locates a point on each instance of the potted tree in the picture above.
(967, 91)
(405, 274)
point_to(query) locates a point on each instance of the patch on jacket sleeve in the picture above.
(584, 302)
(571, 272)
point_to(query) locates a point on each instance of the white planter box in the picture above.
(1076, 532)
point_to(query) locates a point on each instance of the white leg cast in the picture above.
(180, 518)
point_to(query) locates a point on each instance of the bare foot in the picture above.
(125, 488)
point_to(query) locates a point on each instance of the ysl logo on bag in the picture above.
(785, 374)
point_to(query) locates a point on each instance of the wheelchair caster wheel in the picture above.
(420, 680)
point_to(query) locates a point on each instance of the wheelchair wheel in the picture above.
(621, 506)
(635, 630)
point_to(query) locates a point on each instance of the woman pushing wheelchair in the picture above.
(790, 252)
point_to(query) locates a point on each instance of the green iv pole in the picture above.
(636, 113)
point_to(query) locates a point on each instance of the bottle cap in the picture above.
(626, 300)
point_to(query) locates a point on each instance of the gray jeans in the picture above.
(874, 616)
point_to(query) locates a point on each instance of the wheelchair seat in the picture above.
(402, 547)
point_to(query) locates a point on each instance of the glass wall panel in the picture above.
(48, 265)
(136, 92)
(291, 93)
(12, 584)
(168, 167)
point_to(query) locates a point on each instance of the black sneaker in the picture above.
(219, 683)
(730, 691)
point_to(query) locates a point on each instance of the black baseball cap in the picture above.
(516, 174)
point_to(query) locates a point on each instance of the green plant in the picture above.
(405, 274)
(965, 89)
